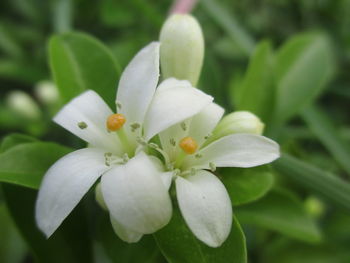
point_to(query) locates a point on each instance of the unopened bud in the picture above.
(46, 92)
(22, 104)
(238, 122)
(182, 48)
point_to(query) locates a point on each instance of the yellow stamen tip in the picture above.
(188, 145)
(115, 122)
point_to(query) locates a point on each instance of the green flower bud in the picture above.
(238, 122)
(46, 92)
(182, 48)
(314, 207)
(21, 103)
(99, 197)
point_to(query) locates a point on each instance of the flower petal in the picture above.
(237, 150)
(124, 233)
(138, 83)
(205, 206)
(89, 109)
(136, 196)
(203, 123)
(173, 103)
(64, 184)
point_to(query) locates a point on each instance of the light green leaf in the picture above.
(246, 185)
(256, 93)
(179, 245)
(303, 67)
(321, 182)
(282, 212)
(324, 129)
(80, 62)
(14, 139)
(25, 164)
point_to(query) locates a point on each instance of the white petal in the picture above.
(173, 104)
(138, 83)
(203, 123)
(124, 233)
(205, 206)
(89, 108)
(237, 150)
(64, 184)
(136, 196)
(167, 178)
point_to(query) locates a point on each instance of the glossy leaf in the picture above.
(25, 164)
(246, 185)
(282, 212)
(315, 179)
(303, 67)
(14, 139)
(179, 245)
(80, 62)
(255, 94)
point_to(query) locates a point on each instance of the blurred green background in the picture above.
(240, 37)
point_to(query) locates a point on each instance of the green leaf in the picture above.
(70, 243)
(282, 212)
(303, 67)
(255, 94)
(179, 245)
(119, 251)
(12, 249)
(80, 62)
(25, 164)
(13, 139)
(247, 185)
(322, 126)
(225, 19)
(317, 180)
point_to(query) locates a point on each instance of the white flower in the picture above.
(131, 183)
(203, 199)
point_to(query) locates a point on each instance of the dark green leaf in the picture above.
(325, 131)
(69, 243)
(255, 92)
(80, 62)
(280, 211)
(118, 251)
(247, 185)
(179, 245)
(303, 67)
(315, 179)
(25, 164)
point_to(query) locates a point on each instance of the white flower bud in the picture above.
(46, 92)
(182, 48)
(21, 103)
(238, 122)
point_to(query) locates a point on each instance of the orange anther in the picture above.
(115, 122)
(188, 145)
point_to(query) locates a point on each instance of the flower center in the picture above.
(115, 122)
(188, 145)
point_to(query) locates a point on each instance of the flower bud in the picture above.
(238, 122)
(182, 48)
(22, 104)
(46, 92)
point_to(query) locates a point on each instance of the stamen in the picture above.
(212, 167)
(82, 125)
(135, 126)
(188, 145)
(172, 142)
(115, 122)
(207, 136)
(198, 156)
(183, 126)
(119, 105)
